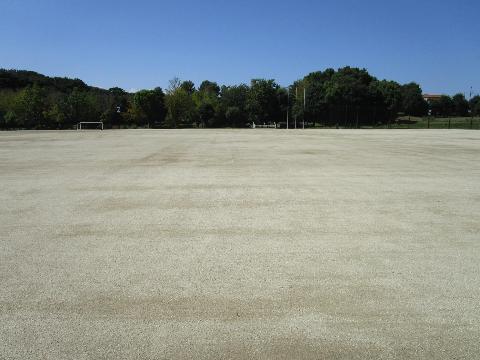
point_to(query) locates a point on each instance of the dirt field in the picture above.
(209, 244)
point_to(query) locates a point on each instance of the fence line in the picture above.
(466, 123)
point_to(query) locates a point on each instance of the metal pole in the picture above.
(356, 125)
(304, 100)
(288, 103)
(296, 97)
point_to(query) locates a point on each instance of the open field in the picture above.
(205, 244)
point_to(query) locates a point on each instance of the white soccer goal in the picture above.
(264, 126)
(83, 123)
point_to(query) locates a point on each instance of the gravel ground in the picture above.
(270, 244)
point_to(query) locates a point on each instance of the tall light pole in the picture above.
(288, 103)
(296, 97)
(304, 103)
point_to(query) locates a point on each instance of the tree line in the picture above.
(347, 97)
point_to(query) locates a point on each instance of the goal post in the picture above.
(81, 125)
(264, 126)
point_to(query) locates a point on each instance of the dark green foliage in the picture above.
(35, 101)
(181, 110)
(475, 105)
(233, 104)
(443, 106)
(19, 79)
(206, 113)
(116, 108)
(263, 105)
(32, 100)
(30, 106)
(188, 86)
(387, 101)
(316, 85)
(209, 87)
(207, 104)
(234, 117)
(460, 105)
(347, 97)
(412, 100)
(150, 107)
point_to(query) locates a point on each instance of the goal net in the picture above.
(264, 126)
(90, 125)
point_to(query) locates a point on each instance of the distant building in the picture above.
(431, 97)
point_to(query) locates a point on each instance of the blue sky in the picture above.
(144, 43)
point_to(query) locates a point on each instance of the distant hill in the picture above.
(29, 100)
(19, 79)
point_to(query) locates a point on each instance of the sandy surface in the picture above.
(240, 244)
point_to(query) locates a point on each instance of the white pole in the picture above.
(288, 103)
(296, 97)
(304, 99)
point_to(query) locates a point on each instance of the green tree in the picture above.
(8, 99)
(283, 101)
(81, 105)
(317, 106)
(30, 107)
(11, 120)
(460, 105)
(208, 105)
(116, 105)
(413, 102)
(206, 113)
(188, 86)
(209, 87)
(262, 101)
(475, 105)
(387, 100)
(150, 106)
(234, 116)
(233, 104)
(56, 116)
(180, 106)
(297, 100)
(444, 106)
(348, 93)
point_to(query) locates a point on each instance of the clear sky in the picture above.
(144, 43)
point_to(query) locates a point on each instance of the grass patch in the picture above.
(437, 123)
